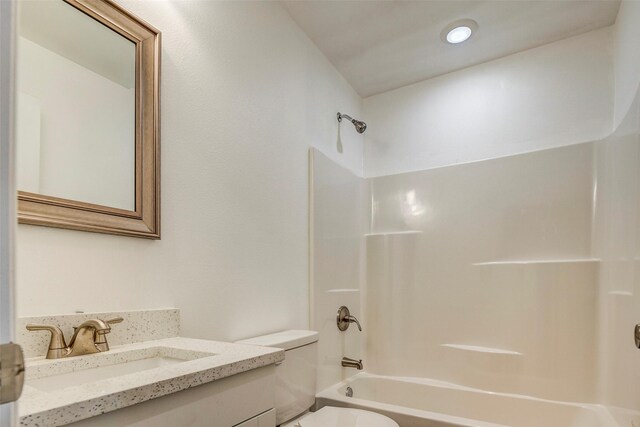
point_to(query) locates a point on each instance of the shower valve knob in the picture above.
(344, 319)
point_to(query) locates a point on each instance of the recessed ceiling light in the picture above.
(458, 31)
(458, 35)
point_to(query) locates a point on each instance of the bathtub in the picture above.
(418, 402)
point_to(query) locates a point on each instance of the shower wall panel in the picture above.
(482, 274)
(617, 243)
(339, 216)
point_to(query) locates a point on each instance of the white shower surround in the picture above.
(605, 271)
(520, 331)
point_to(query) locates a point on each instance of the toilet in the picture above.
(296, 386)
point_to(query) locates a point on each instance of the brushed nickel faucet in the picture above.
(88, 338)
(352, 363)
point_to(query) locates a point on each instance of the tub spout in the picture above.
(352, 363)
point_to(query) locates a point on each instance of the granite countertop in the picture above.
(206, 361)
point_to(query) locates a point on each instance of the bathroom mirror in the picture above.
(87, 122)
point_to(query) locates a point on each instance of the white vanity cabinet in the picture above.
(245, 399)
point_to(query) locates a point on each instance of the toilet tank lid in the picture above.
(285, 340)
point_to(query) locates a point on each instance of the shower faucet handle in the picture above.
(344, 319)
(352, 319)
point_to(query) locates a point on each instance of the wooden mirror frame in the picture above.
(144, 221)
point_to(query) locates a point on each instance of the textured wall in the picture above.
(244, 96)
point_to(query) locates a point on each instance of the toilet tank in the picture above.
(296, 375)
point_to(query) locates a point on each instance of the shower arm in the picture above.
(345, 116)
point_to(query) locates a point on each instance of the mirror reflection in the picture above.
(76, 93)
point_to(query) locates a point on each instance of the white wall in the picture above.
(554, 95)
(626, 38)
(244, 95)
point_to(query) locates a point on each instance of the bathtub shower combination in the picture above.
(494, 293)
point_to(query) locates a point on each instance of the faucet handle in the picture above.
(114, 320)
(344, 319)
(100, 338)
(352, 319)
(57, 345)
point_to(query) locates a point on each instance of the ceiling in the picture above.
(383, 45)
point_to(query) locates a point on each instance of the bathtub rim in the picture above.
(332, 397)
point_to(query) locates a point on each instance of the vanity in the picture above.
(148, 377)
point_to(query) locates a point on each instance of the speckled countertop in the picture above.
(206, 361)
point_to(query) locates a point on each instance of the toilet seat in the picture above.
(330, 416)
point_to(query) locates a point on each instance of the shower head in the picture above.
(360, 126)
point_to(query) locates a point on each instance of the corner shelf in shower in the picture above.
(480, 349)
(538, 261)
(393, 233)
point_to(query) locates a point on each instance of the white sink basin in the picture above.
(76, 371)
